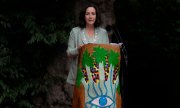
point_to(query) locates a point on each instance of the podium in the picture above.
(97, 81)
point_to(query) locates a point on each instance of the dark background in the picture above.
(150, 30)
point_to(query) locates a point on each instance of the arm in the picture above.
(72, 52)
(72, 49)
(106, 38)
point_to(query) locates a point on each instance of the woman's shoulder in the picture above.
(75, 29)
(100, 29)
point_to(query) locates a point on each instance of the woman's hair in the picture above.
(82, 22)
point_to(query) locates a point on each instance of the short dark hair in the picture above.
(82, 22)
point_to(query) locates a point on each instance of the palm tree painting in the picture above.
(97, 83)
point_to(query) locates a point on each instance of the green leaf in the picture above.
(79, 77)
(118, 88)
(26, 103)
(2, 85)
(114, 58)
(99, 54)
(87, 59)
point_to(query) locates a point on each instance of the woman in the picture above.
(96, 86)
(87, 31)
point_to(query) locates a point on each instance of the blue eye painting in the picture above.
(102, 101)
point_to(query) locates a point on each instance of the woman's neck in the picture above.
(89, 30)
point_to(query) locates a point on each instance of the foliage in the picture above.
(50, 33)
(12, 74)
(28, 42)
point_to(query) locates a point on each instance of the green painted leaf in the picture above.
(99, 54)
(113, 58)
(87, 59)
(79, 77)
(118, 89)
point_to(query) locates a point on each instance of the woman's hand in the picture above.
(80, 46)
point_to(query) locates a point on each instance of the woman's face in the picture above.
(90, 16)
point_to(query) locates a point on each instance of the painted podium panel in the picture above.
(97, 81)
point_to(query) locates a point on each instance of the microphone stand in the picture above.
(124, 58)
